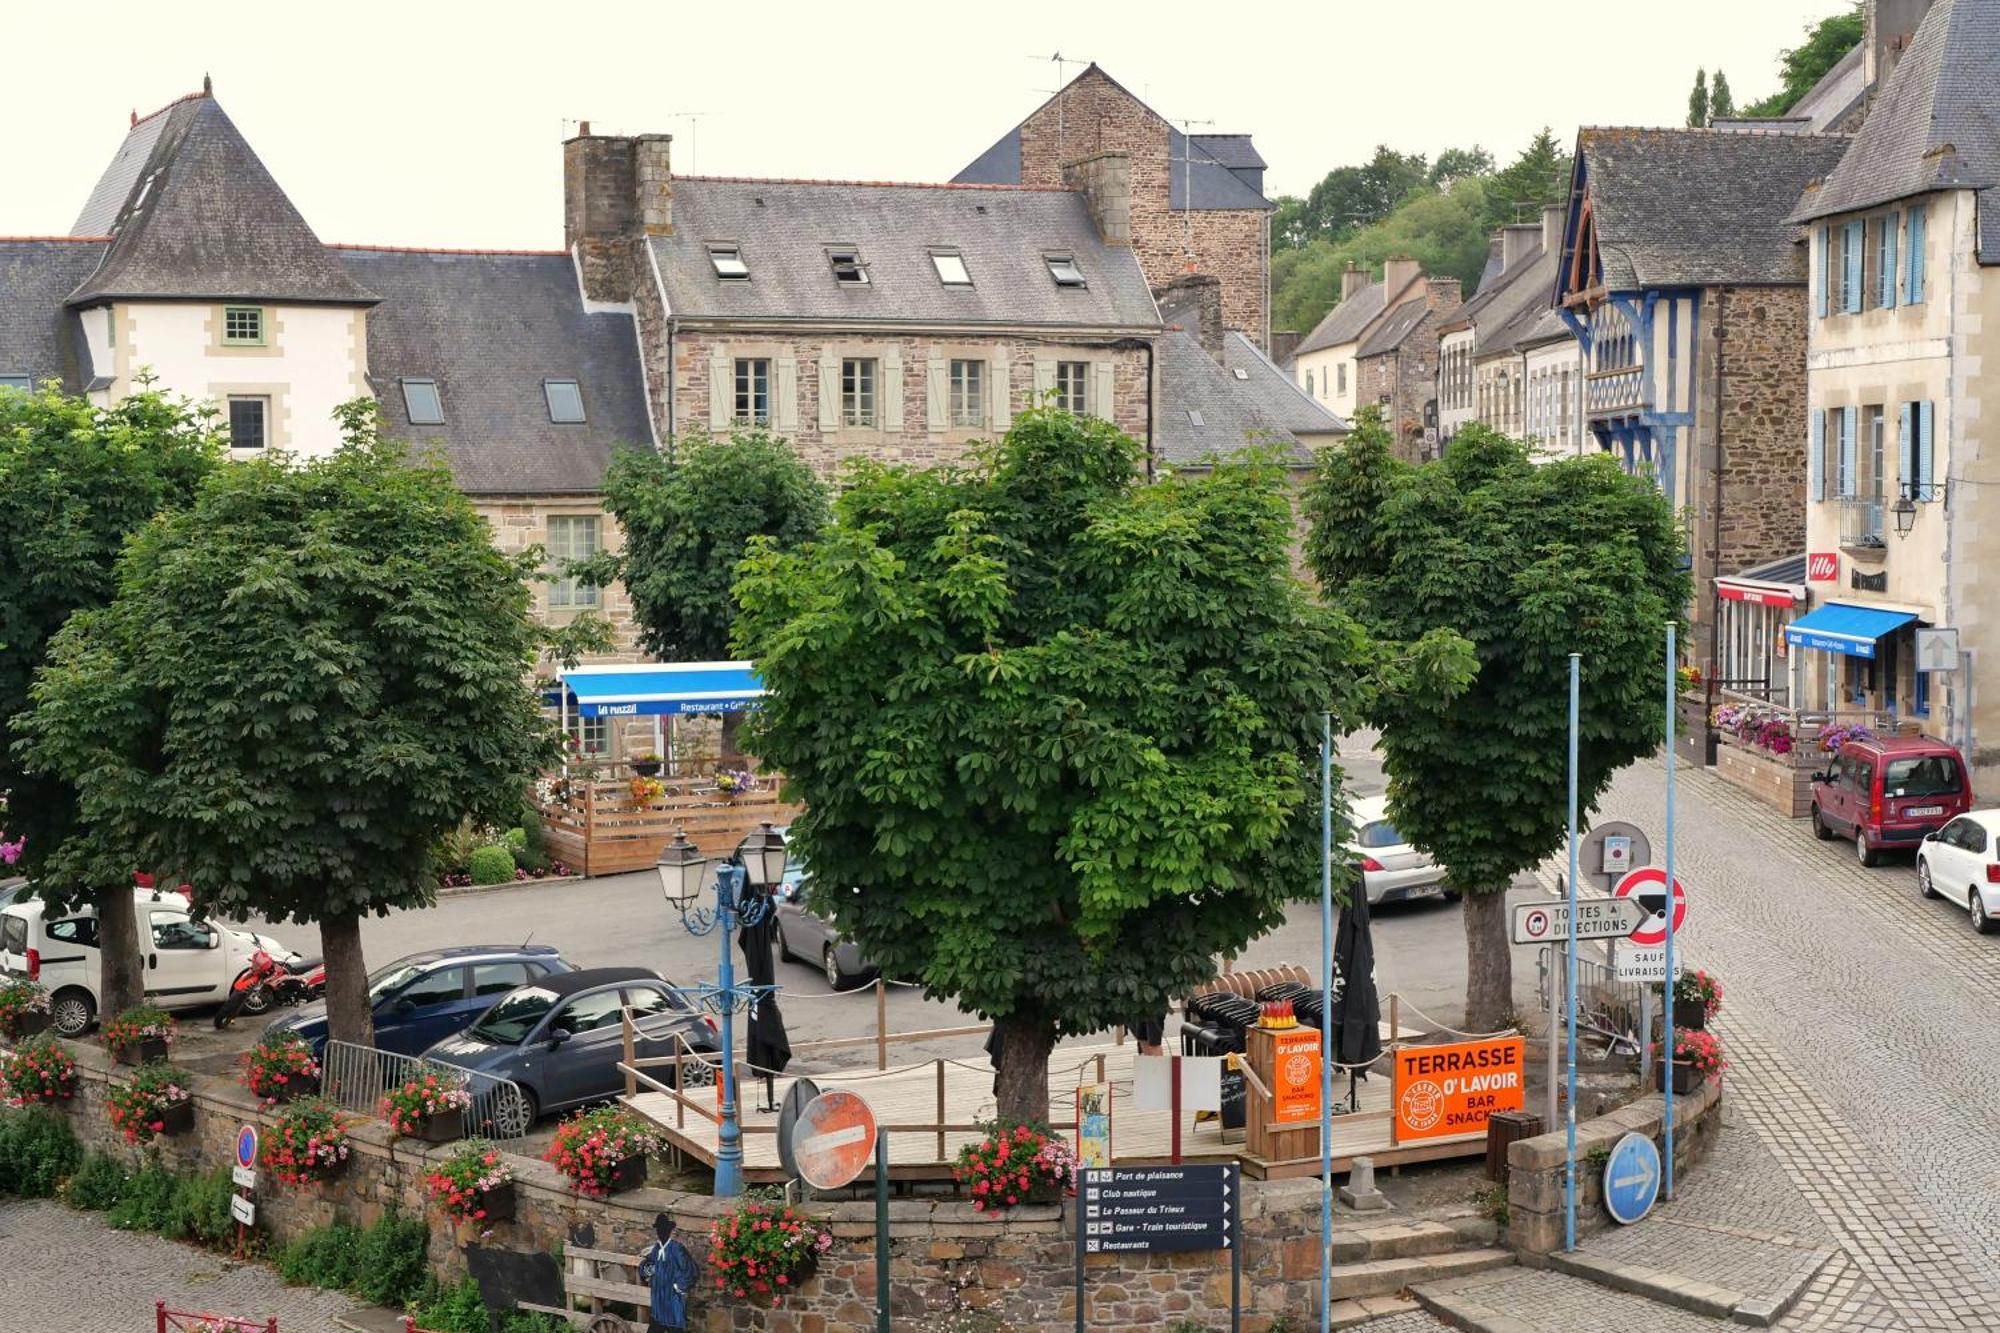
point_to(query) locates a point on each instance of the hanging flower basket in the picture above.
(308, 1144)
(603, 1151)
(38, 1070)
(140, 1035)
(764, 1249)
(1698, 1056)
(157, 1102)
(1015, 1164)
(473, 1185)
(430, 1107)
(280, 1068)
(24, 1009)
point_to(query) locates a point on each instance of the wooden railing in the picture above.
(598, 827)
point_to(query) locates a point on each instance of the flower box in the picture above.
(499, 1203)
(143, 1052)
(1686, 1078)
(629, 1174)
(177, 1119)
(293, 1088)
(27, 1025)
(442, 1127)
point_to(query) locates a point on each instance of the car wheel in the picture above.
(1925, 888)
(830, 961)
(1863, 852)
(1448, 894)
(1981, 921)
(1820, 830)
(515, 1112)
(697, 1073)
(72, 1012)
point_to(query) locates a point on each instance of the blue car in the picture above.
(426, 997)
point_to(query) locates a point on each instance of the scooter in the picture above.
(267, 983)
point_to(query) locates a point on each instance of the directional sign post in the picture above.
(1596, 919)
(1151, 1209)
(1631, 1179)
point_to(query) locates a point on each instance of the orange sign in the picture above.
(1446, 1090)
(1295, 1087)
(834, 1139)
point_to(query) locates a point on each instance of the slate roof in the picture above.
(1518, 304)
(1839, 91)
(1263, 407)
(1695, 208)
(38, 335)
(1933, 125)
(1400, 323)
(489, 328)
(1346, 321)
(785, 228)
(1545, 328)
(1789, 569)
(192, 212)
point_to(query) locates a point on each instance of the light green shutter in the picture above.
(1103, 390)
(721, 389)
(1045, 380)
(1927, 454)
(785, 389)
(889, 403)
(937, 394)
(999, 390)
(829, 391)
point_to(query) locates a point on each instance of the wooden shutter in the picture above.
(937, 393)
(999, 392)
(1915, 294)
(721, 389)
(1104, 390)
(1892, 272)
(785, 394)
(1825, 268)
(1045, 380)
(829, 391)
(889, 406)
(1927, 454)
(1816, 454)
(1850, 288)
(1906, 452)
(1846, 476)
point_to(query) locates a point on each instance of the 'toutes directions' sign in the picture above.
(1596, 919)
(1143, 1209)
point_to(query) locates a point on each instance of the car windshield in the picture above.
(509, 1022)
(1379, 833)
(1932, 775)
(391, 978)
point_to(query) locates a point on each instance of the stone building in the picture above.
(1484, 347)
(1392, 326)
(1198, 202)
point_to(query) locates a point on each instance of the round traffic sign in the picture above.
(246, 1146)
(1536, 925)
(1631, 1179)
(834, 1139)
(1648, 885)
(797, 1098)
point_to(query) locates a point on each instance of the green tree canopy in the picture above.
(1539, 176)
(304, 679)
(1444, 231)
(1054, 729)
(1698, 101)
(1802, 66)
(1721, 102)
(1531, 563)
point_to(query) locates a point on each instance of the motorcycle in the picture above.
(267, 983)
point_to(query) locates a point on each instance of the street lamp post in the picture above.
(742, 891)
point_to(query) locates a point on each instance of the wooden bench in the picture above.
(600, 1277)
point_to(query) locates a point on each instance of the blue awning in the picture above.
(662, 688)
(1839, 627)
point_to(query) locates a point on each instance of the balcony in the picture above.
(1861, 524)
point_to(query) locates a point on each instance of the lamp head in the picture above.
(682, 868)
(762, 854)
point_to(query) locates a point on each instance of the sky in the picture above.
(433, 123)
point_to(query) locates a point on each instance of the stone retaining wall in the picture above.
(944, 1255)
(1535, 1167)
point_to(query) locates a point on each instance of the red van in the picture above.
(1889, 793)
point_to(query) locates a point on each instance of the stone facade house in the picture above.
(1394, 325)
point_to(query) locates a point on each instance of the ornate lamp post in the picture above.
(742, 891)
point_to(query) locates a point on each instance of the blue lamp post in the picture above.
(742, 892)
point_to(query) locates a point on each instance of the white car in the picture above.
(1391, 869)
(1961, 862)
(187, 963)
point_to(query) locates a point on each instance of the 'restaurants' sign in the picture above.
(1823, 567)
(1757, 594)
(1446, 1090)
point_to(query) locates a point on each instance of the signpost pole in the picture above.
(1667, 988)
(1232, 1176)
(1569, 986)
(1326, 1047)
(882, 1231)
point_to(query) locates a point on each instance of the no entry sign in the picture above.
(1648, 884)
(834, 1139)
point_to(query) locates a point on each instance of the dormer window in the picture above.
(1064, 270)
(421, 402)
(242, 326)
(565, 402)
(951, 268)
(728, 261)
(848, 270)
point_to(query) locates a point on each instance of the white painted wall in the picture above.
(1324, 367)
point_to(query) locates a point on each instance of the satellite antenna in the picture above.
(693, 118)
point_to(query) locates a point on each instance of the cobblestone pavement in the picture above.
(63, 1271)
(1557, 1303)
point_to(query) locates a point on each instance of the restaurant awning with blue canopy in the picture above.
(1840, 627)
(661, 689)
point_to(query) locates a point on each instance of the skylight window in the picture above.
(421, 402)
(848, 270)
(951, 268)
(1194, 418)
(728, 261)
(565, 401)
(1240, 372)
(1064, 270)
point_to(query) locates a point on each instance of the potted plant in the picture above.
(157, 1101)
(280, 1068)
(1697, 998)
(308, 1143)
(474, 1184)
(734, 781)
(603, 1151)
(140, 1035)
(24, 1009)
(430, 1107)
(765, 1247)
(1836, 734)
(648, 764)
(1015, 1164)
(646, 791)
(38, 1070)
(1697, 1056)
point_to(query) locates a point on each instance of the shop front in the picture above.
(1753, 611)
(1861, 658)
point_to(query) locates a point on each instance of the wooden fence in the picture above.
(598, 827)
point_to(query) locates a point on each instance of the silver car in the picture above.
(1391, 869)
(806, 937)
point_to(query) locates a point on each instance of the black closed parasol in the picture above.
(770, 1049)
(1357, 1010)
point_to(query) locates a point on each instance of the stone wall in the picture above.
(1761, 347)
(943, 1255)
(521, 521)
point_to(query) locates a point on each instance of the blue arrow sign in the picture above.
(1632, 1179)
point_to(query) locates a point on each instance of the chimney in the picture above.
(1442, 293)
(1105, 181)
(1196, 299)
(653, 179)
(1283, 343)
(601, 211)
(1554, 218)
(1352, 279)
(1889, 26)
(1398, 272)
(1517, 241)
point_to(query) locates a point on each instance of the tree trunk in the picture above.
(1021, 1087)
(1489, 962)
(124, 969)
(348, 1017)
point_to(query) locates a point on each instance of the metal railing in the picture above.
(356, 1078)
(1607, 1006)
(1861, 521)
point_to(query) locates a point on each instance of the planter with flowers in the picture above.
(1836, 734)
(140, 1035)
(603, 1151)
(37, 1071)
(1761, 754)
(1697, 1056)
(430, 1107)
(308, 1144)
(474, 1185)
(765, 1248)
(280, 1068)
(156, 1102)
(24, 1010)
(1697, 998)
(733, 782)
(648, 765)
(1015, 1164)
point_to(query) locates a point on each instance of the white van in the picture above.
(188, 963)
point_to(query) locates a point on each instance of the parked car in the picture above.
(187, 963)
(1886, 793)
(804, 936)
(1391, 869)
(1961, 863)
(560, 1040)
(426, 997)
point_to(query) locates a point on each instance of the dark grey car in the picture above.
(560, 1040)
(804, 936)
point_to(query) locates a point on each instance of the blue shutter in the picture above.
(1906, 453)
(1892, 272)
(1825, 268)
(1816, 454)
(1846, 474)
(1927, 454)
(1850, 287)
(1915, 294)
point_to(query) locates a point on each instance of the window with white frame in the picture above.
(753, 391)
(857, 391)
(421, 402)
(1072, 395)
(968, 393)
(951, 270)
(572, 537)
(590, 737)
(728, 261)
